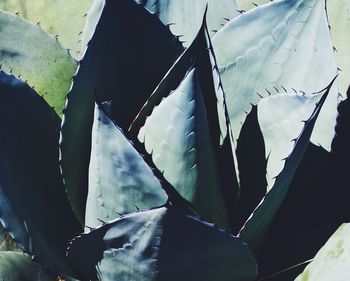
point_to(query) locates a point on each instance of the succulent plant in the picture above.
(189, 140)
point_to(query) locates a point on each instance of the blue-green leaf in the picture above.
(16, 266)
(140, 51)
(339, 20)
(119, 178)
(281, 121)
(281, 45)
(256, 227)
(188, 127)
(178, 137)
(162, 244)
(185, 17)
(6, 241)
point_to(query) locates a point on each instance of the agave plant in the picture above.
(166, 163)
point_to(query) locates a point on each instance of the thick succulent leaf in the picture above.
(52, 16)
(16, 266)
(185, 17)
(30, 53)
(285, 45)
(119, 178)
(6, 241)
(126, 73)
(199, 60)
(332, 262)
(257, 226)
(178, 137)
(339, 20)
(281, 121)
(93, 17)
(33, 204)
(306, 219)
(162, 244)
(246, 5)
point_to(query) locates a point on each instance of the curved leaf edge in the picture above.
(248, 226)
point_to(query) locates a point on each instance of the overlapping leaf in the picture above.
(246, 5)
(183, 133)
(6, 241)
(281, 45)
(30, 53)
(119, 179)
(16, 266)
(33, 204)
(53, 16)
(339, 20)
(332, 261)
(185, 17)
(127, 56)
(162, 244)
(338, 16)
(178, 137)
(255, 229)
(281, 121)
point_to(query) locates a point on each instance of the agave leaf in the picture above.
(33, 204)
(281, 121)
(285, 45)
(332, 261)
(256, 227)
(119, 179)
(162, 244)
(6, 241)
(185, 17)
(246, 5)
(185, 129)
(306, 219)
(302, 219)
(16, 266)
(30, 53)
(339, 20)
(125, 73)
(177, 135)
(52, 16)
(338, 16)
(93, 17)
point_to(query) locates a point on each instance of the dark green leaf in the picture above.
(163, 244)
(33, 204)
(129, 53)
(16, 266)
(119, 179)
